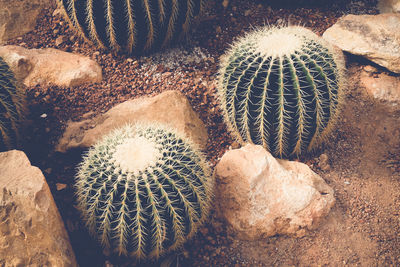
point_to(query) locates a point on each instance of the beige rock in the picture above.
(31, 230)
(382, 87)
(50, 66)
(18, 17)
(260, 196)
(389, 6)
(171, 108)
(376, 37)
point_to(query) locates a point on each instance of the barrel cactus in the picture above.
(11, 99)
(281, 87)
(133, 27)
(143, 190)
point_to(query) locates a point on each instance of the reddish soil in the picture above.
(364, 153)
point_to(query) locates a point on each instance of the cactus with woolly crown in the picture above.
(133, 27)
(11, 99)
(143, 190)
(281, 87)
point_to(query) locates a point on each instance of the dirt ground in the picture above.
(364, 152)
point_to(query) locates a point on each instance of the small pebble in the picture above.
(61, 39)
(60, 186)
(225, 4)
(324, 162)
(370, 68)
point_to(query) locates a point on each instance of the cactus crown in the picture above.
(143, 190)
(131, 26)
(10, 107)
(281, 88)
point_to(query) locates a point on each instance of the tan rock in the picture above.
(260, 196)
(171, 108)
(50, 66)
(31, 230)
(382, 87)
(18, 17)
(389, 6)
(376, 37)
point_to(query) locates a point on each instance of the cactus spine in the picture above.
(10, 107)
(143, 190)
(281, 88)
(131, 26)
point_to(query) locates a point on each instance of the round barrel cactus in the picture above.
(11, 98)
(131, 26)
(143, 190)
(281, 88)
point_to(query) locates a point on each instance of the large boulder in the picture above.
(171, 108)
(389, 6)
(50, 66)
(31, 230)
(260, 196)
(376, 37)
(18, 17)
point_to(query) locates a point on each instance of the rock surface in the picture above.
(376, 37)
(31, 230)
(171, 108)
(50, 66)
(260, 196)
(382, 86)
(389, 6)
(18, 17)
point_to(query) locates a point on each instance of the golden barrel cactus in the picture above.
(132, 26)
(144, 190)
(281, 88)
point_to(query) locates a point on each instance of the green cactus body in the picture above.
(143, 190)
(10, 107)
(131, 26)
(281, 88)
